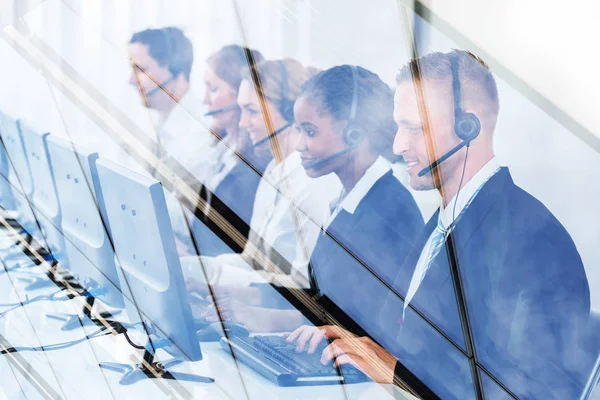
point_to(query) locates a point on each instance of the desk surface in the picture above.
(73, 372)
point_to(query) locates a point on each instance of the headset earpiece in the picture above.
(466, 125)
(353, 133)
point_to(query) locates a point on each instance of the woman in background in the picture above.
(289, 207)
(232, 172)
(345, 126)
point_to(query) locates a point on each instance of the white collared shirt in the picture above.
(287, 189)
(447, 215)
(350, 202)
(186, 137)
(289, 211)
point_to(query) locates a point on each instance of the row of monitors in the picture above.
(107, 225)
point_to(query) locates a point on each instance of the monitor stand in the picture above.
(149, 368)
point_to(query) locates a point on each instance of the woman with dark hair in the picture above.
(343, 118)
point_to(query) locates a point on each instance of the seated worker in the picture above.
(494, 296)
(289, 207)
(345, 126)
(161, 61)
(232, 171)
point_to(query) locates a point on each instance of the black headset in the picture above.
(172, 65)
(466, 125)
(353, 134)
(286, 106)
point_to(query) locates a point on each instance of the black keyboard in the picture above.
(277, 360)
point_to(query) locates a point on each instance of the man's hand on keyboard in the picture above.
(363, 353)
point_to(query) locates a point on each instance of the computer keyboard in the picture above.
(277, 360)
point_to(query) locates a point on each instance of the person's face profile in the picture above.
(146, 71)
(218, 94)
(411, 141)
(319, 136)
(251, 114)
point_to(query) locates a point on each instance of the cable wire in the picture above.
(56, 346)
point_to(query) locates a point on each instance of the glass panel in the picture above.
(212, 170)
(491, 389)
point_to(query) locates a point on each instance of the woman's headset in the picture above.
(286, 106)
(353, 134)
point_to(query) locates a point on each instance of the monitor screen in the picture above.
(150, 270)
(89, 250)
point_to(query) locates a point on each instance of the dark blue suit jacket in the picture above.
(527, 299)
(379, 233)
(365, 249)
(236, 191)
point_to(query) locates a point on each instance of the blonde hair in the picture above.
(271, 75)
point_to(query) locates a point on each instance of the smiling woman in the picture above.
(278, 85)
(344, 119)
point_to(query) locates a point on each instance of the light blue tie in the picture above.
(438, 239)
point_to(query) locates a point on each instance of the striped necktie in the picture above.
(439, 238)
(437, 241)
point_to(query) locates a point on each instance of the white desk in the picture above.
(73, 372)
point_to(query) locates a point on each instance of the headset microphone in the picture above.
(160, 86)
(443, 158)
(272, 135)
(221, 110)
(325, 160)
(466, 125)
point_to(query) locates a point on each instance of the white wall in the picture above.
(551, 45)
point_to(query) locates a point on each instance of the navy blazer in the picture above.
(237, 191)
(527, 299)
(361, 251)
(379, 233)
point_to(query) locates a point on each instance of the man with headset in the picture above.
(493, 296)
(161, 61)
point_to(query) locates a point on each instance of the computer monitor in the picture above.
(87, 245)
(150, 271)
(6, 198)
(43, 198)
(19, 175)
